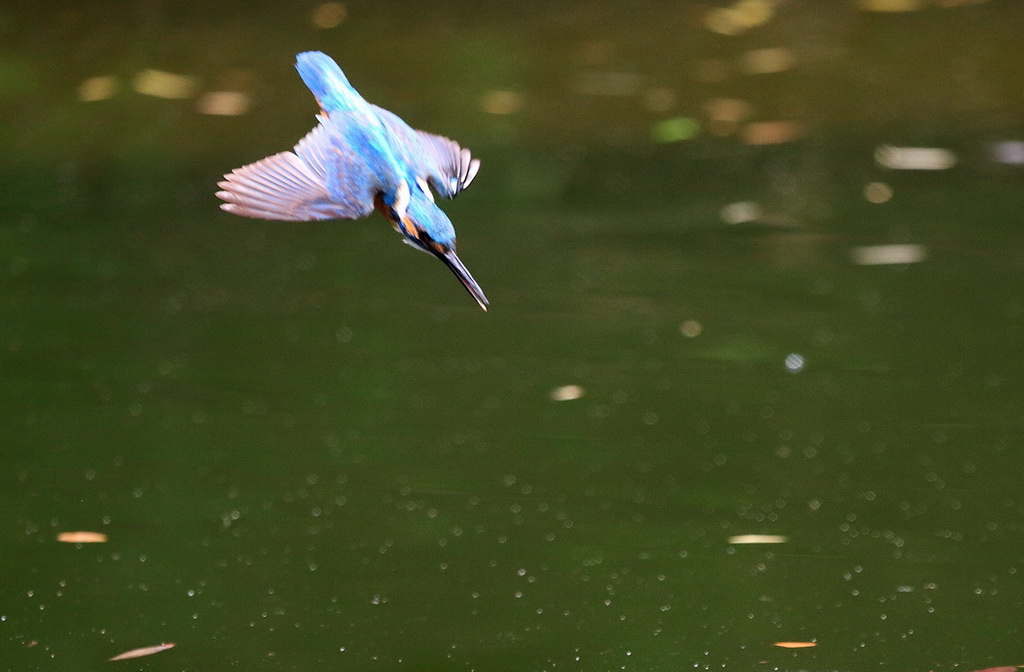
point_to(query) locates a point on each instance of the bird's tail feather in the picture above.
(327, 82)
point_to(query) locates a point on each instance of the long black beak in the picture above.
(452, 261)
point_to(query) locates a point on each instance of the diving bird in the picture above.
(358, 158)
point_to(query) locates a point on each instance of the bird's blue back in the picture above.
(353, 122)
(362, 128)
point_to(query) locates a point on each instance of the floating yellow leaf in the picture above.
(752, 13)
(877, 192)
(770, 132)
(144, 651)
(224, 103)
(566, 393)
(691, 328)
(501, 102)
(880, 255)
(741, 212)
(732, 110)
(767, 61)
(164, 84)
(795, 645)
(97, 88)
(329, 15)
(82, 537)
(915, 158)
(758, 539)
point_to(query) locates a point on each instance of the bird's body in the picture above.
(358, 158)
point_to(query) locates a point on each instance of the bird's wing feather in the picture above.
(321, 179)
(456, 163)
(449, 167)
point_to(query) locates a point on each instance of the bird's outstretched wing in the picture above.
(448, 167)
(322, 178)
(456, 164)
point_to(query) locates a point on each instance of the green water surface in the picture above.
(310, 449)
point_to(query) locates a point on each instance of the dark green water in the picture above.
(310, 450)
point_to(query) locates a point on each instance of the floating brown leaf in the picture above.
(144, 651)
(82, 537)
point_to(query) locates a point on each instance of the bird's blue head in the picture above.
(413, 212)
(411, 209)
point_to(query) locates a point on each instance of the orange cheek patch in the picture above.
(409, 229)
(386, 211)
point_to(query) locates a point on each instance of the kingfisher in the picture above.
(358, 158)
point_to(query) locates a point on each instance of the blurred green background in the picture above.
(755, 268)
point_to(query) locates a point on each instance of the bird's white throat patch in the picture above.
(402, 199)
(426, 188)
